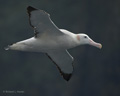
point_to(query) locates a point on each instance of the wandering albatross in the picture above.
(49, 39)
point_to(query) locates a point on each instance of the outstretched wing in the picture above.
(41, 22)
(64, 62)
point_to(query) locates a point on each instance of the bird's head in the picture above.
(85, 39)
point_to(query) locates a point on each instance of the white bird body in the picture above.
(53, 41)
(46, 43)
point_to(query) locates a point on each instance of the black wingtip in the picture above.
(29, 9)
(66, 76)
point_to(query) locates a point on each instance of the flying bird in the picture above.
(52, 41)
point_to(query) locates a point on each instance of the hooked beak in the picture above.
(98, 45)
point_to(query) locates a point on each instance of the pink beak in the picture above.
(98, 45)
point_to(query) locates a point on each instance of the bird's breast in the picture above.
(47, 44)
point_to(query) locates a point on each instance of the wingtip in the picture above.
(66, 76)
(30, 8)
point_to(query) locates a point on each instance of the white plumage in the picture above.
(53, 41)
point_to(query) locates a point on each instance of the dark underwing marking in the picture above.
(35, 34)
(66, 76)
(29, 10)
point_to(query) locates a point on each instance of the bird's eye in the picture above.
(85, 36)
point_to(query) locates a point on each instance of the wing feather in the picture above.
(64, 62)
(41, 22)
